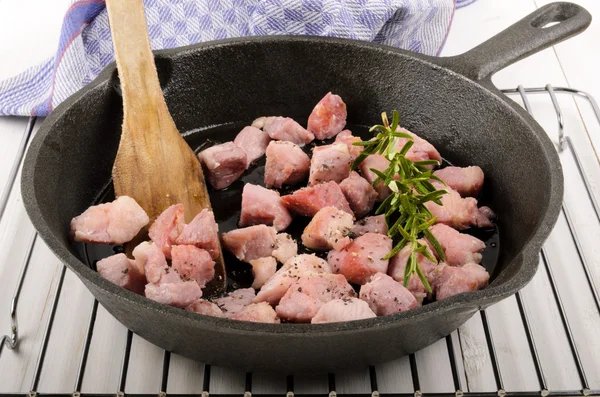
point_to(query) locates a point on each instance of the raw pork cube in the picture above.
(309, 200)
(329, 163)
(371, 224)
(386, 296)
(257, 313)
(202, 306)
(111, 223)
(286, 164)
(286, 247)
(360, 194)
(305, 297)
(328, 117)
(284, 129)
(466, 181)
(452, 280)
(122, 271)
(253, 141)
(203, 232)
(235, 301)
(420, 150)
(340, 310)
(224, 164)
(181, 294)
(155, 264)
(251, 242)
(277, 286)
(193, 263)
(457, 212)
(362, 258)
(459, 248)
(262, 270)
(263, 206)
(348, 139)
(328, 229)
(167, 227)
(379, 163)
(415, 285)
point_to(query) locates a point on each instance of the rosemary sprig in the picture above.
(406, 215)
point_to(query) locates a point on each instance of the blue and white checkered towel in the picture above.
(85, 45)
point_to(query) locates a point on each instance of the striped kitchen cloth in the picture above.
(85, 45)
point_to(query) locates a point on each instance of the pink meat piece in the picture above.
(452, 280)
(348, 139)
(457, 212)
(360, 194)
(181, 294)
(203, 232)
(328, 117)
(155, 264)
(223, 164)
(286, 164)
(379, 163)
(284, 129)
(305, 297)
(286, 247)
(167, 227)
(370, 224)
(251, 242)
(328, 229)
(329, 163)
(140, 255)
(193, 263)
(262, 270)
(298, 266)
(122, 271)
(415, 285)
(459, 248)
(263, 206)
(257, 313)
(466, 181)
(235, 301)
(341, 310)
(362, 258)
(309, 200)
(420, 150)
(253, 141)
(116, 222)
(202, 306)
(387, 296)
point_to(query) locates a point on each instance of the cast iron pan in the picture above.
(213, 89)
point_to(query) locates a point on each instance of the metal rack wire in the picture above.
(565, 143)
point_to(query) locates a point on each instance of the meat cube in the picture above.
(284, 129)
(328, 229)
(420, 150)
(262, 270)
(202, 306)
(360, 194)
(251, 242)
(193, 263)
(370, 224)
(452, 280)
(181, 294)
(122, 271)
(459, 248)
(286, 164)
(223, 164)
(116, 222)
(309, 200)
(415, 285)
(328, 117)
(379, 163)
(253, 141)
(263, 206)
(167, 227)
(286, 247)
(140, 255)
(203, 232)
(305, 297)
(277, 286)
(340, 310)
(457, 212)
(466, 181)
(235, 301)
(155, 264)
(348, 139)
(329, 163)
(362, 258)
(257, 313)
(387, 296)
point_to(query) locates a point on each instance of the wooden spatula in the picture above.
(154, 164)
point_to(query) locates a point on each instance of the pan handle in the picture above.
(531, 34)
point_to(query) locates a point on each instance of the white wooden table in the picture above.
(490, 352)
